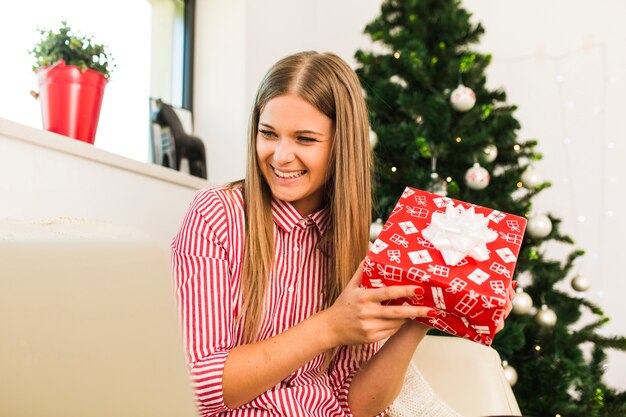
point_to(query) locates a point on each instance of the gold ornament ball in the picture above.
(546, 317)
(581, 283)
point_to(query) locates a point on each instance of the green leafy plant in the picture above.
(74, 49)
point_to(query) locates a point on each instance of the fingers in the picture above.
(392, 312)
(395, 292)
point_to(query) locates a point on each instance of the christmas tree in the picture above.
(436, 126)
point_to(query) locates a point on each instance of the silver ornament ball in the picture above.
(522, 303)
(490, 153)
(546, 317)
(477, 177)
(462, 98)
(375, 229)
(581, 283)
(373, 139)
(510, 374)
(530, 178)
(539, 226)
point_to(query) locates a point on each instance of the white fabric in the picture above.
(417, 399)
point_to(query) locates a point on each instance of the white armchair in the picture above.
(466, 376)
(89, 328)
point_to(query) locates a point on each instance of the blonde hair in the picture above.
(327, 82)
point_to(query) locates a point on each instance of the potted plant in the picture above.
(72, 72)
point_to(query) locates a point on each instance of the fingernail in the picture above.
(514, 284)
(431, 313)
(419, 291)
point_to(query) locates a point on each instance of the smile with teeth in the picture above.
(289, 175)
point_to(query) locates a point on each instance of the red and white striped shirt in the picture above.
(207, 259)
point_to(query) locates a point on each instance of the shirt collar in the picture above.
(287, 217)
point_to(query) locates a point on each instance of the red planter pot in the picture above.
(70, 100)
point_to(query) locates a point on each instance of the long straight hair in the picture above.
(327, 83)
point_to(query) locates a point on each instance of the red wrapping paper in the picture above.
(469, 297)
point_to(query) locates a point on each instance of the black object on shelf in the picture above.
(171, 143)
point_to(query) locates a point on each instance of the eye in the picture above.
(268, 134)
(305, 139)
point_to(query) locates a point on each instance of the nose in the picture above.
(283, 153)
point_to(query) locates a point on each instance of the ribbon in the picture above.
(458, 233)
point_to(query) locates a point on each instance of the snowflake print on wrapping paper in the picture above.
(425, 243)
(416, 274)
(399, 240)
(500, 269)
(378, 246)
(511, 238)
(506, 254)
(498, 287)
(513, 225)
(407, 193)
(442, 202)
(398, 208)
(408, 227)
(420, 213)
(394, 255)
(420, 257)
(368, 267)
(496, 216)
(438, 299)
(420, 200)
(456, 286)
(391, 273)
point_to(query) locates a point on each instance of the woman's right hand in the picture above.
(358, 317)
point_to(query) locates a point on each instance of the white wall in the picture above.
(46, 176)
(236, 43)
(562, 62)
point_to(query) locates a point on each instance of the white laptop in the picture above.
(88, 323)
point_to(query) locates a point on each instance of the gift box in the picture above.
(462, 254)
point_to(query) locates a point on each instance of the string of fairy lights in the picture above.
(539, 226)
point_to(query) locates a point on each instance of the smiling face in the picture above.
(293, 147)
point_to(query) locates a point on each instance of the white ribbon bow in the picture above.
(459, 233)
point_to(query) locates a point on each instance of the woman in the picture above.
(267, 270)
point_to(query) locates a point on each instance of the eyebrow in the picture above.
(297, 131)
